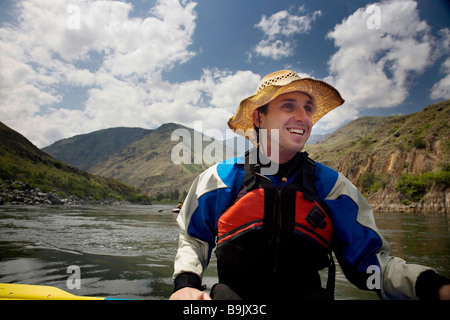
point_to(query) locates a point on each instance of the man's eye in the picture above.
(289, 106)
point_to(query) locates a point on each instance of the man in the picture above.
(274, 232)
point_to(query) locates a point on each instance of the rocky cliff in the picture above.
(401, 163)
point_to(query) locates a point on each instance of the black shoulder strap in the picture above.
(249, 173)
(310, 192)
(308, 174)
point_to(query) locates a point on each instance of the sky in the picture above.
(70, 67)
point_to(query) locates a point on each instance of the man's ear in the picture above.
(256, 118)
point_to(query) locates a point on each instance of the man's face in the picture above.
(291, 114)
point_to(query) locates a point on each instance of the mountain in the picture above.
(28, 174)
(144, 159)
(316, 138)
(83, 151)
(146, 163)
(401, 163)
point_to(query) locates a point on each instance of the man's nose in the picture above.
(301, 115)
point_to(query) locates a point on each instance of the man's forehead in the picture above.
(291, 97)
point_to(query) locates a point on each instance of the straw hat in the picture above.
(271, 86)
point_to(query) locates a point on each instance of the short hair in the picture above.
(264, 109)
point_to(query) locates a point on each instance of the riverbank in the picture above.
(22, 193)
(435, 202)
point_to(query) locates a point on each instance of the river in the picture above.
(128, 251)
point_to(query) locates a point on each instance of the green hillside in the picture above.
(143, 160)
(84, 151)
(146, 163)
(397, 160)
(24, 166)
(368, 135)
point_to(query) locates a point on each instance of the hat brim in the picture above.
(326, 97)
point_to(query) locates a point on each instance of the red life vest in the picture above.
(281, 234)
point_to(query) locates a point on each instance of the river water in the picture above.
(128, 251)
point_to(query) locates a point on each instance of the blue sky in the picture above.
(72, 67)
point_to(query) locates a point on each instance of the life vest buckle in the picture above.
(316, 218)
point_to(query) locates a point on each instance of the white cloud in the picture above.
(441, 89)
(110, 54)
(154, 43)
(335, 118)
(374, 68)
(115, 62)
(279, 30)
(229, 89)
(275, 49)
(212, 99)
(284, 23)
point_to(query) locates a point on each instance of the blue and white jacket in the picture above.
(357, 245)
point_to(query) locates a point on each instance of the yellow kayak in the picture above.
(34, 292)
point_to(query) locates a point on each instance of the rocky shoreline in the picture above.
(435, 202)
(21, 193)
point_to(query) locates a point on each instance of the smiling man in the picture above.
(272, 233)
(291, 119)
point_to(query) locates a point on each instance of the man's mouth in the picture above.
(296, 131)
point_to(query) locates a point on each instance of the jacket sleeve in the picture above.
(209, 195)
(360, 248)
